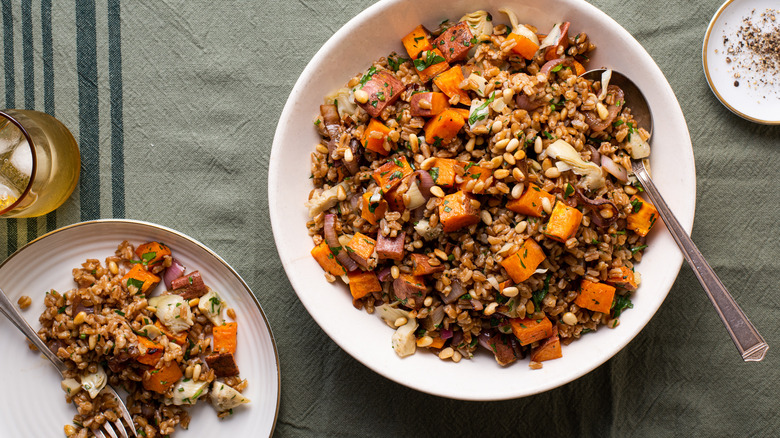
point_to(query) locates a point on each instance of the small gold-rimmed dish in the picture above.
(739, 62)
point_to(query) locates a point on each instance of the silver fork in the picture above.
(108, 429)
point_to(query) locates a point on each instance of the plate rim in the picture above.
(203, 247)
(705, 67)
(274, 197)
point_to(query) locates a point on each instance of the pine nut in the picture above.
(456, 356)
(538, 145)
(231, 313)
(424, 341)
(194, 302)
(446, 353)
(424, 104)
(509, 158)
(512, 145)
(606, 213)
(348, 156)
(521, 226)
(470, 144)
(92, 342)
(80, 317)
(552, 172)
(395, 272)
(510, 291)
(24, 302)
(427, 163)
(501, 173)
(437, 192)
(486, 217)
(321, 149)
(490, 309)
(547, 205)
(497, 126)
(630, 190)
(196, 372)
(400, 321)
(602, 111)
(361, 96)
(508, 94)
(113, 268)
(569, 318)
(501, 144)
(428, 301)
(517, 174)
(440, 254)
(414, 142)
(341, 194)
(517, 190)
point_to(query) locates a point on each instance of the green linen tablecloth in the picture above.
(174, 104)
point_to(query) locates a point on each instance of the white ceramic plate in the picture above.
(32, 403)
(746, 96)
(364, 336)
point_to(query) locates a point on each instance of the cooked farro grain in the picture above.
(500, 215)
(109, 326)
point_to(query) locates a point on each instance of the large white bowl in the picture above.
(376, 32)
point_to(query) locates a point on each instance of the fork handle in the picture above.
(748, 341)
(9, 310)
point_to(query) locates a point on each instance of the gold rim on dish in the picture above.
(205, 248)
(709, 78)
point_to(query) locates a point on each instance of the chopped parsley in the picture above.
(621, 303)
(479, 113)
(568, 191)
(539, 295)
(430, 58)
(394, 61)
(637, 205)
(371, 72)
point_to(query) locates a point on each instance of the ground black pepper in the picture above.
(754, 50)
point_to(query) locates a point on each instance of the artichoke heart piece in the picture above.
(224, 397)
(187, 391)
(211, 306)
(95, 382)
(173, 311)
(70, 386)
(403, 340)
(481, 22)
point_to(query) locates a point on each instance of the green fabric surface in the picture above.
(175, 103)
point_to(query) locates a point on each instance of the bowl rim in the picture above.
(275, 196)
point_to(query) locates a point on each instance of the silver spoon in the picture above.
(749, 342)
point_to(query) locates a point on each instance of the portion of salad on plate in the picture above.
(168, 350)
(476, 191)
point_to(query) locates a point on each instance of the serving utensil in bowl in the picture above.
(749, 342)
(108, 429)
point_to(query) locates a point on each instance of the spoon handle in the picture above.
(749, 342)
(7, 308)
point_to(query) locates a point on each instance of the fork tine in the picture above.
(122, 429)
(110, 430)
(125, 414)
(98, 433)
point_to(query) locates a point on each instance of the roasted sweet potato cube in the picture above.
(528, 330)
(374, 137)
(428, 104)
(410, 290)
(417, 41)
(472, 172)
(444, 127)
(421, 265)
(223, 364)
(522, 264)
(443, 171)
(563, 223)
(449, 83)
(189, 286)
(362, 283)
(152, 253)
(642, 217)
(433, 62)
(457, 211)
(154, 351)
(142, 280)
(455, 42)
(327, 260)
(391, 248)
(622, 277)
(383, 89)
(391, 173)
(530, 203)
(374, 207)
(547, 350)
(595, 296)
(361, 248)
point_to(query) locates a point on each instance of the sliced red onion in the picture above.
(426, 182)
(332, 121)
(356, 148)
(524, 102)
(549, 65)
(595, 206)
(437, 316)
(592, 118)
(173, 272)
(614, 169)
(595, 156)
(484, 339)
(456, 292)
(384, 274)
(518, 350)
(445, 334)
(457, 338)
(476, 305)
(333, 242)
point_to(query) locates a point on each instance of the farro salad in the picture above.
(475, 191)
(167, 351)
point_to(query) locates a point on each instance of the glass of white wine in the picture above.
(39, 163)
